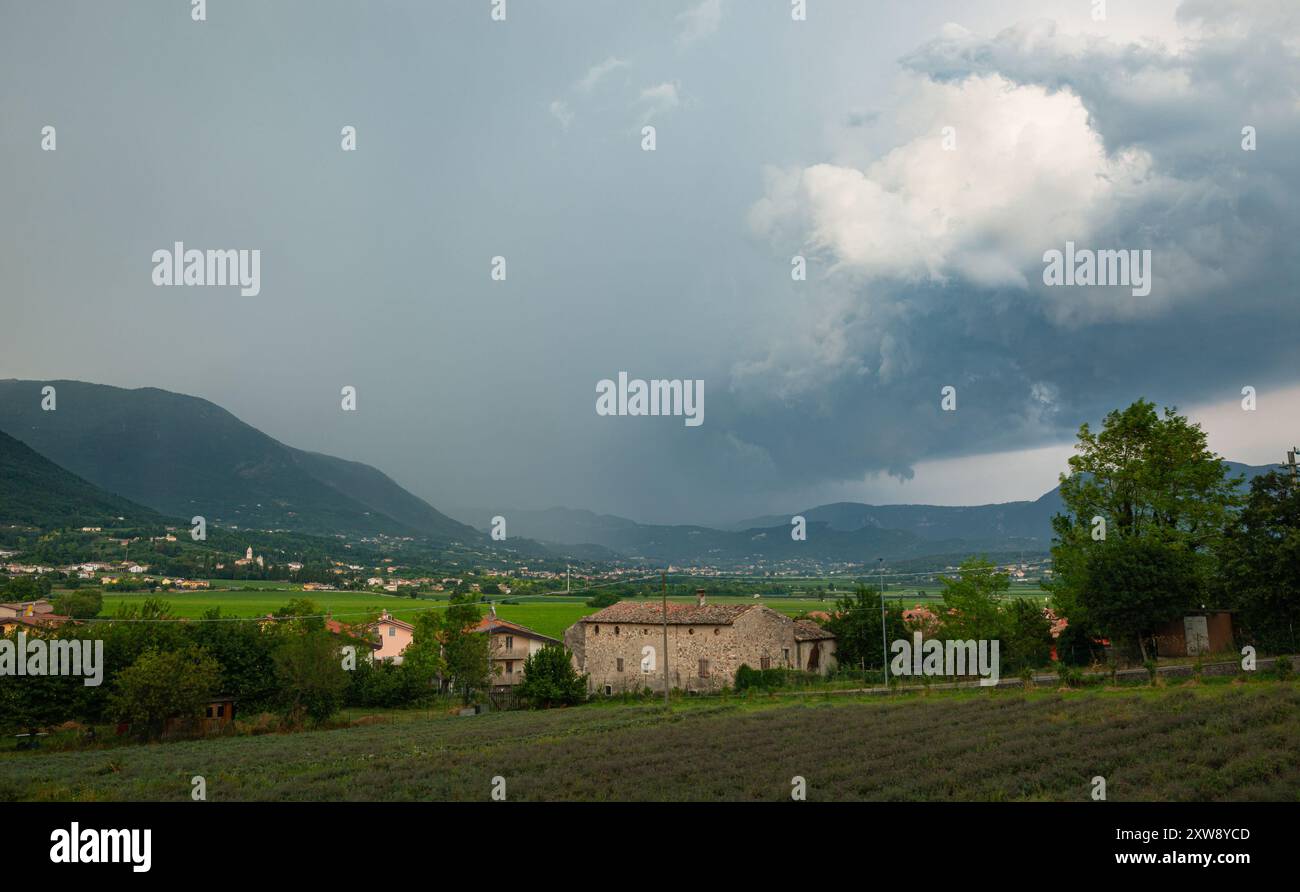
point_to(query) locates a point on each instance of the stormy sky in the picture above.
(826, 138)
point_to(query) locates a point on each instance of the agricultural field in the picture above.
(548, 614)
(1210, 740)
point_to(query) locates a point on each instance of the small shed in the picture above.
(218, 714)
(1199, 632)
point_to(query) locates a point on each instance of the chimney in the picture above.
(699, 597)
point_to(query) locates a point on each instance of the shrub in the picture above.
(760, 679)
(602, 599)
(551, 680)
(1070, 676)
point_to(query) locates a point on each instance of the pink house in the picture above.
(394, 636)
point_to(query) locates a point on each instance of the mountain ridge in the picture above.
(184, 455)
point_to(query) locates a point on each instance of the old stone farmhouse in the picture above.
(621, 647)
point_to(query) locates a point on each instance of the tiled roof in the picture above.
(679, 614)
(499, 624)
(807, 630)
(38, 620)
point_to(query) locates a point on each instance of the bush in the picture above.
(1282, 668)
(386, 684)
(1070, 676)
(550, 679)
(603, 599)
(760, 679)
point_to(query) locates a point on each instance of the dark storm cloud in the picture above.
(916, 310)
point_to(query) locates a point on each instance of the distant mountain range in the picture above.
(184, 456)
(108, 452)
(841, 531)
(36, 492)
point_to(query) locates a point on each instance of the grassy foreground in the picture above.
(1191, 742)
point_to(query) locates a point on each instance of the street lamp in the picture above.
(884, 648)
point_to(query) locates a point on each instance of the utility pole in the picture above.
(566, 579)
(884, 648)
(663, 575)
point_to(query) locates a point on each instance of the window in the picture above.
(616, 630)
(392, 631)
(620, 664)
(595, 630)
(609, 689)
(765, 663)
(690, 631)
(785, 654)
(704, 668)
(510, 667)
(221, 710)
(510, 642)
(717, 631)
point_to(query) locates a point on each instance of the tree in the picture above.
(422, 660)
(1260, 562)
(300, 614)
(1026, 636)
(856, 627)
(310, 674)
(974, 600)
(465, 651)
(79, 604)
(246, 655)
(551, 680)
(163, 685)
(1149, 477)
(1147, 474)
(603, 599)
(1133, 585)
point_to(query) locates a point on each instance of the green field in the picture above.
(1198, 741)
(548, 614)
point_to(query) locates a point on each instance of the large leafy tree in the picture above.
(1133, 585)
(1147, 474)
(1150, 476)
(465, 651)
(856, 627)
(246, 655)
(974, 601)
(1260, 562)
(161, 685)
(309, 671)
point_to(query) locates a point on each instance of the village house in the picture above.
(510, 644)
(26, 608)
(29, 615)
(394, 636)
(620, 647)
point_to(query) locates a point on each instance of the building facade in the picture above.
(510, 644)
(621, 647)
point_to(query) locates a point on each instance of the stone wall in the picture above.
(700, 657)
